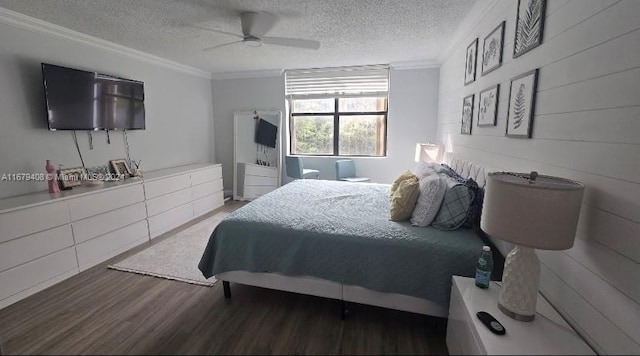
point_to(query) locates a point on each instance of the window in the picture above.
(338, 112)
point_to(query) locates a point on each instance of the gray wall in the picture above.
(586, 127)
(413, 101)
(178, 110)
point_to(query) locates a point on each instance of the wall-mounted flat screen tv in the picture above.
(81, 100)
(266, 133)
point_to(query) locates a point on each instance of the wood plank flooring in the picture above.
(103, 311)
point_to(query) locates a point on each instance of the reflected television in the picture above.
(266, 133)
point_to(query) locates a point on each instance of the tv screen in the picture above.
(81, 100)
(266, 133)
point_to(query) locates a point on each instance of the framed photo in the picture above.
(492, 49)
(70, 177)
(522, 102)
(120, 167)
(529, 26)
(470, 63)
(467, 115)
(488, 106)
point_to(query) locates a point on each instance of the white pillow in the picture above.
(423, 169)
(432, 189)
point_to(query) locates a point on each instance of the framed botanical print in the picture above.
(522, 102)
(467, 115)
(470, 63)
(488, 106)
(492, 49)
(529, 26)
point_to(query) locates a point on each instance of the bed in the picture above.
(334, 240)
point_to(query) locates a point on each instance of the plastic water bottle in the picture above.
(484, 268)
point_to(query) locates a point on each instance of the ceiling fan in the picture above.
(254, 27)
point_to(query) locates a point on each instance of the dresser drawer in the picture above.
(164, 186)
(99, 203)
(167, 202)
(206, 204)
(254, 191)
(100, 249)
(31, 220)
(205, 189)
(257, 180)
(206, 175)
(171, 219)
(31, 247)
(31, 274)
(253, 170)
(89, 228)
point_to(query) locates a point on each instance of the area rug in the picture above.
(177, 257)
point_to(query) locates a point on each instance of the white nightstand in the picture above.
(466, 334)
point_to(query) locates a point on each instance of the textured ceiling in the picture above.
(352, 32)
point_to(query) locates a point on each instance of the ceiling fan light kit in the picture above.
(254, 26)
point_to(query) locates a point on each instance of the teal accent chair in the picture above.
(295, 169)
(346, 171)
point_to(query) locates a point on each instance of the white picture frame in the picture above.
(467, 115)
(492, 47)
(470, 63)
(522, 97)
(488, 106)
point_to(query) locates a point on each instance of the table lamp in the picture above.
(428, 152)
(531, 211)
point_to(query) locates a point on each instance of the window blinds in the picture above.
(337, 82)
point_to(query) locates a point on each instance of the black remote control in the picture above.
(491, 322)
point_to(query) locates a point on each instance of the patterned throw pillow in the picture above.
(473, 216)
(404, 198)
(456, 205)
(403, 176)
(432, 191)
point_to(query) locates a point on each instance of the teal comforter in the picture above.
(340, 232)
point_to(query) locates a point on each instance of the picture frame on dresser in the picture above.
(492, 47)
(488, 106)
(529, 26)
(467, 115)
(70, 177)
(522, 102)
(120, 167)
(470, 62)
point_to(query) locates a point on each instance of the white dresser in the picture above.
(255, 180)
(174, 196)
(547, 334)
(46, 238)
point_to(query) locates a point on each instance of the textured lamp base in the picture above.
(520, 281)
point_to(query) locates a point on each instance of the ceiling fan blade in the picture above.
(291, 42)
(217, 31)
(222, 45)
(256, 23)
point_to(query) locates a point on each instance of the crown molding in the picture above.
(478, 11)
(22, 21)
(247, 74)
(414, 65)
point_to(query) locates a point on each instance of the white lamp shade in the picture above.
(428, 152)
(541, 213)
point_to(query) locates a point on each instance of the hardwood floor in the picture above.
(103, 311)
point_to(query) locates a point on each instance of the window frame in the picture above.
(336, 124)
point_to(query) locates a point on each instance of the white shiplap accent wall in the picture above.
(586, 127)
